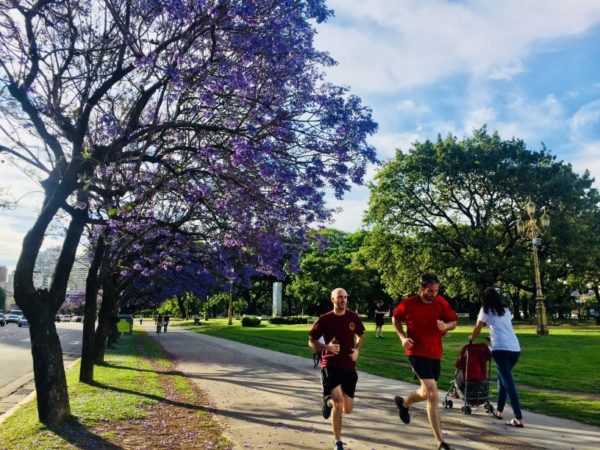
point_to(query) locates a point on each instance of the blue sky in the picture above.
(528, 69)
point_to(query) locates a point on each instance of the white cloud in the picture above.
(387, 143)
(507, 71)
(385, 45)
(585, 140)
(587, 157)
(585, 123)
(25, 197)
(475, 118)
(10, 246)
(520, 117)
(406, 106)
(350, 210)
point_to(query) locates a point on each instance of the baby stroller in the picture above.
(471, 382)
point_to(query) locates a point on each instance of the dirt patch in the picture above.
(183, 420)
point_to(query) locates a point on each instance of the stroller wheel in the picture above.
(488, 408)
(466, 409)
(448, 403)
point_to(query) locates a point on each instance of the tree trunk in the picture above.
(86, 371)
(516, 306)
(105, 321)
(597, 294)
(473, 308)
(40, 306)
(181, 304)
(49, 371)
(525, 308)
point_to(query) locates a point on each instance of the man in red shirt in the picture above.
(428, 317)
(339, 336)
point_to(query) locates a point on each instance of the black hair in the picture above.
(492, 300)
(429, 278)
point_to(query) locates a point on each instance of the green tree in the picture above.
(584, 270)
(335, 260)
(451, 206)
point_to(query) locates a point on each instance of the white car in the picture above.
(23, 321)
(14, 316)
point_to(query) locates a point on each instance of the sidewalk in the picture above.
(270, 400)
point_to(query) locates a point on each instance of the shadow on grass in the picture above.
(78, 435)
(157, 398)
(138, 369)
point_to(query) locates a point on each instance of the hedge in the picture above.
(291, 320)
(250, 321)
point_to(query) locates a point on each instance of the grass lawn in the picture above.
(557, 374)
(122, 404)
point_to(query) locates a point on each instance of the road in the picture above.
(16, 364)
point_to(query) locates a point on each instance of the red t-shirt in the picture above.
(343, 328)
(421, 324)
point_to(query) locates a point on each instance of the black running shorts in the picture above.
(332, 377)
(425, 368)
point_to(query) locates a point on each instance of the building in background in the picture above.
(3, 286)
(78, 275)
(44, 267)
(43, 272)
(9, 290)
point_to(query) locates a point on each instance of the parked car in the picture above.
(2, 320)
(23, 321)
(14, 316)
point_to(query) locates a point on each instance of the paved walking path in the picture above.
(270, 400)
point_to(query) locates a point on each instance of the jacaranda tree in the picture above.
(226, 97)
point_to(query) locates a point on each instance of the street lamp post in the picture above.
(532, 229)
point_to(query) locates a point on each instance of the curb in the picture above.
(30, 396)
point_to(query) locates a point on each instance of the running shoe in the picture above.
(402, 410)
(326, 409)
(339, 445)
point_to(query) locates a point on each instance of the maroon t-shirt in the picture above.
(421, 324)
(343, 328)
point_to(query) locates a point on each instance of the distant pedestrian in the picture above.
(428, 317)
(141, 319)
(159, 323)
(380, 313)
(505, 351)
(166, 322)
(339, 336)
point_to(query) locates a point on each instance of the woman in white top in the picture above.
(505, 351)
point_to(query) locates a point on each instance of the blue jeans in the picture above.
(505, 360)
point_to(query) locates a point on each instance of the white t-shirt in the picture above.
(501, 330)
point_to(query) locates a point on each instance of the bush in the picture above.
(250, 321)
(290, 320)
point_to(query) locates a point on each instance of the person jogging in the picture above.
(338, 335)
(428, 316)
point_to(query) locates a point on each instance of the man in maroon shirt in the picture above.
(334, 334)
(428, 316)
